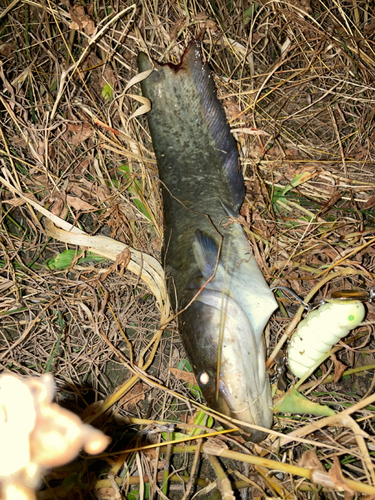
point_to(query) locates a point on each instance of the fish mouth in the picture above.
(244, 406)
(242, 390)
(239, 407)
(256, 411)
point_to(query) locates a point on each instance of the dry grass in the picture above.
(302, 76)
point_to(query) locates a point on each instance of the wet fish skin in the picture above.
(202, 187)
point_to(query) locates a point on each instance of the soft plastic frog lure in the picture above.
(321, 330)
(324, 327)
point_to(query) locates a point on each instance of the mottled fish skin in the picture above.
(202, 188)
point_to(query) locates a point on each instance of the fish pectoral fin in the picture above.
(206, 253)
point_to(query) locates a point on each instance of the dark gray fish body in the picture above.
(202, 186)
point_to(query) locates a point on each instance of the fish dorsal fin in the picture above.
(206, 252)
(224, 143)
(193, 76)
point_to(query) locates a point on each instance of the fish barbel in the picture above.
(202, 186)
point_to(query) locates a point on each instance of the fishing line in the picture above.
(223, 315)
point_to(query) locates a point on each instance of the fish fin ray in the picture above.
(228, 209)
(224, 142)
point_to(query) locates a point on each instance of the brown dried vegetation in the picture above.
(297, 81)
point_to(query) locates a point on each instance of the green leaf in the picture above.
(147, 490)
(74, 480)
(294, 402)
(173, 436)
(299, 179)
(107, 91)
(201, 418)
(133, 495)
(69, 482)
(60, 320)
(186, 366)
(135, 189)
(249, 13)
(64, 259)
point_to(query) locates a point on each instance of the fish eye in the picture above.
(203, 378)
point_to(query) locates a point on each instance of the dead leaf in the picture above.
(79, 204)
(249, 131)
(178, 25)
(335, 473)
(370, 203)
(231, 109)
(80, 20)
(82, 167)
(310, 460)
(17, 202)
(370, 26)
(327, 251)
(131, 398)
(77, 191)
(296, 283)
(18, 141)
(211, 25)
(108, 76)
(201, 16)
(7, 49)
(9, 88)
(184, 376)
(42, 179)
(58, 205)
(305, 174)
(82, 132)
(102, 193)
(99, 191)
(339, 368)
(336, 196)
(146, 104)
(122, 261)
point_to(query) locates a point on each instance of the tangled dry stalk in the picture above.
(296, 80)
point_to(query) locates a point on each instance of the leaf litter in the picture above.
(296, 79)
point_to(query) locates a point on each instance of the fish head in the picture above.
(228, 362)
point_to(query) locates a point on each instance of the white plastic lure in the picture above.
(320, 330)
